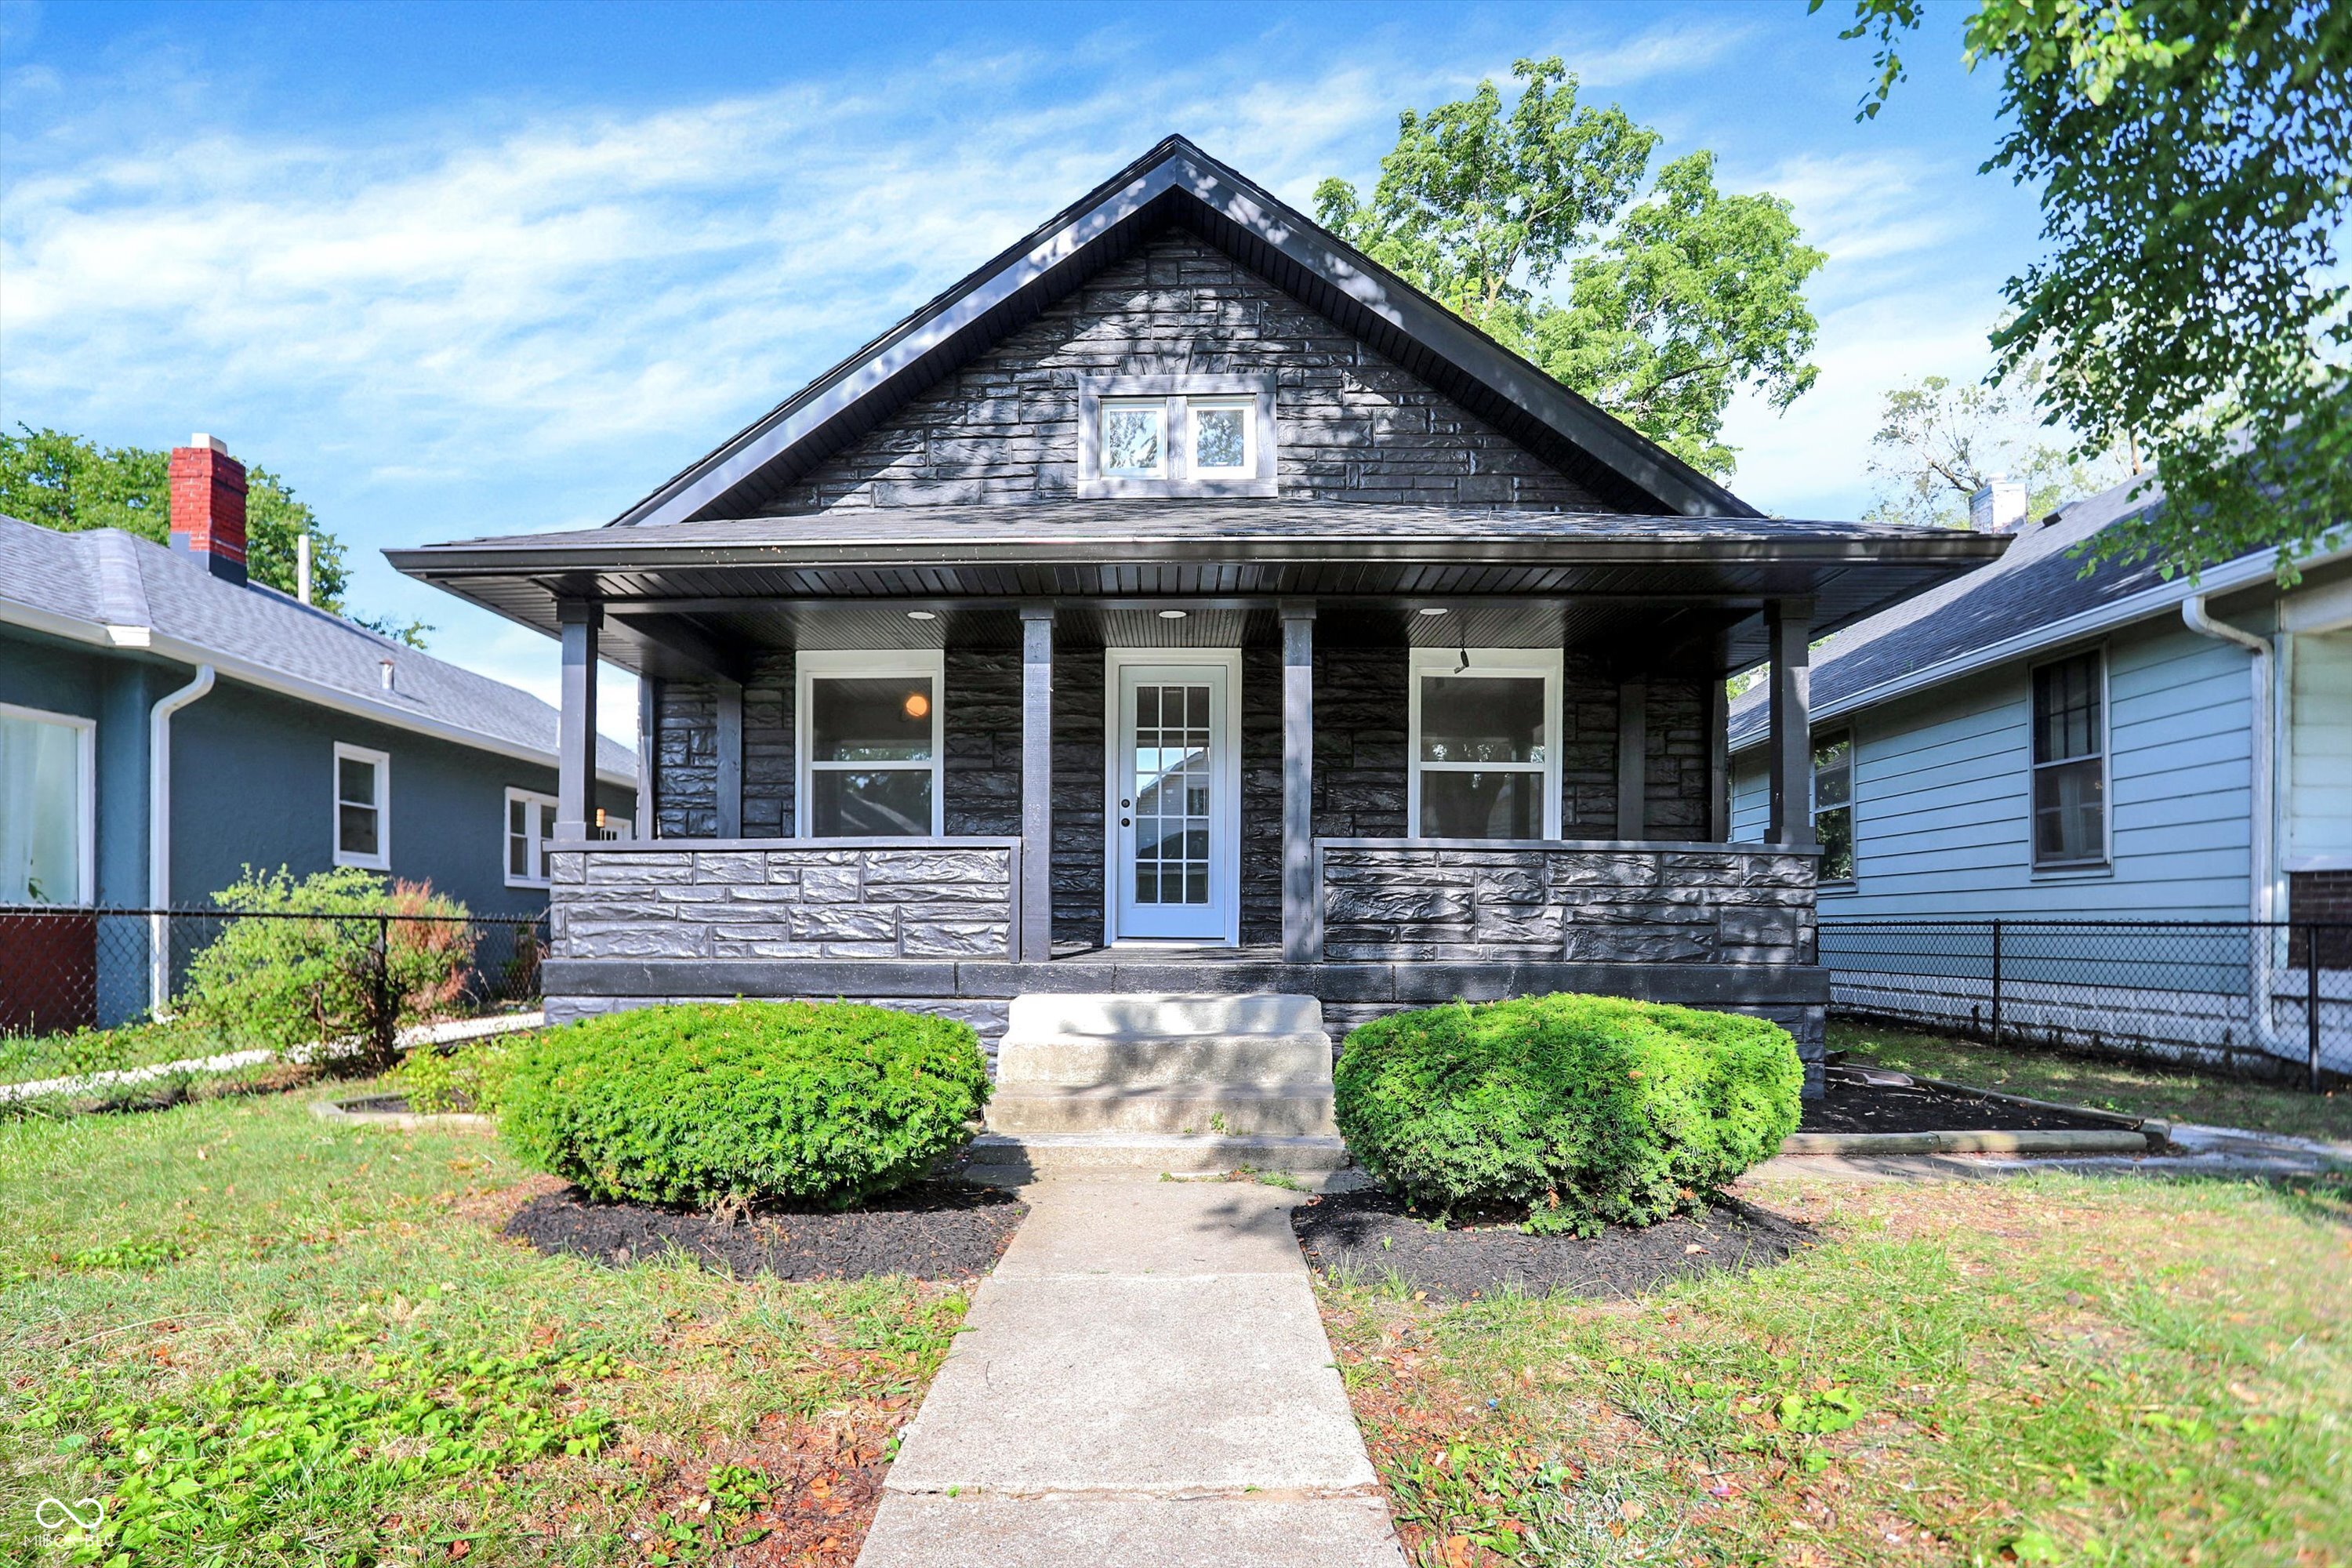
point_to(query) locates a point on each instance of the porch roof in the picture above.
(688, 580)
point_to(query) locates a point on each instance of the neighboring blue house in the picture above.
(290, 737)
(2025, 742)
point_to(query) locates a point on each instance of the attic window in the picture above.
(1176, 436)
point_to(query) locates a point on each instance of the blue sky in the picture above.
(464, 269)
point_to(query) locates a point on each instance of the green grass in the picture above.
(2134, 1088)
(25, 1058)
(2050, 1370)
(265, 1338)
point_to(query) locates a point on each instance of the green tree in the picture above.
(1672, 306)
(2195, 164)
(1939, 440)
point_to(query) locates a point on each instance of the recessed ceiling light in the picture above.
(1173, 614)
(1434, 610)
(920, 616)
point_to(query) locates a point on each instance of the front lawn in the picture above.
(2049, 1369)
(266, 1339)
(2131, 1086)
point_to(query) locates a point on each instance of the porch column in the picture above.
(1632, 756)
(648, 755)
(730, 783)
(1302, 900)
(575, 730)
(1034, 942)
(1788, 631)
(1718, 761)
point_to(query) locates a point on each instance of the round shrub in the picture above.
(820, 1103)
(1586, 1110)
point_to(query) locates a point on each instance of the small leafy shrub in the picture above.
(1585, 1111)
(291, 983)
(471, 1078)
(827, 1103)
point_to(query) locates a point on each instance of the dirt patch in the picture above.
(1369, 1234)
(934, 1230)
(1921, 1108)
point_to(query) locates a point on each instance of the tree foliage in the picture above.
(1672, 303)
(2195, 164)
(1939, 441)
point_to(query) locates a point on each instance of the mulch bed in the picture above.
(1369, 1234)
(1853, 1108)
(933, 1230)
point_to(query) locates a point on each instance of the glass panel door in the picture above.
(1174, 868)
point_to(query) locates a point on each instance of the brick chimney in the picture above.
(209, 506)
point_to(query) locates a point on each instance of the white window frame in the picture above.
(1169, 410)
(86, 803)
(1521, 662)
(543, 808)
(811, 668)
(2105, 861)
(381, 859)
(1193, 408)
(1178, 393)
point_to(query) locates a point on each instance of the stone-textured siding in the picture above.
(1353, 426)
(923, 900)
(1629, 904)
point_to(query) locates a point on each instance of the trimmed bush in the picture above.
(1583, 1110)
(820, 1103)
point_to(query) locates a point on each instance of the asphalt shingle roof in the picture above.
(111, 578)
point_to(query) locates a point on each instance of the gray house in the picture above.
(165, 723)
(2030, 743)
(1182, 603)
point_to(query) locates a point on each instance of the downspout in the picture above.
(2262, 768)
(159, 836)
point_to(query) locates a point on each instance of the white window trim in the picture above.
(1193, 406)
(1226, 835)
(86, 807)
(2105, 858)
(1176, 478)
(1170, 411)
(810, 668)
(506, 835)
(381, 859)
(1484, 662)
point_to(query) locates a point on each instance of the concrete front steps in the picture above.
(1099, 1085)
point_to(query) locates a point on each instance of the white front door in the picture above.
(1175, 806)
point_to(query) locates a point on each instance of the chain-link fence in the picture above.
(2263, 999)
(282, 981)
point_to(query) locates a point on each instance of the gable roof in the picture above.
(2032, 598)
(1175, 183)
(118, 591)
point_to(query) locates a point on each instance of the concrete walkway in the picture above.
(1143, 1379)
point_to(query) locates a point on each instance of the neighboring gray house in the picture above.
(1182, 603)
(2032, 744)
(165, 723)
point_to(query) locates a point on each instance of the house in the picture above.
(165, 723)
(2034, 744)
(1182, 604)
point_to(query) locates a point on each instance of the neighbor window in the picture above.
(1834, 804)
(1176, 436)
(2070, 762)
(530, 824)
(869, 734)
(362, 807)
(47, 803)
(1484, 757)
(1134, 442)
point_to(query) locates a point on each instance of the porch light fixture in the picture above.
(1173, 614)
(917, 706)
(920, 616)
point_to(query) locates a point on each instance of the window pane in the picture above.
(1832, 771)
(1481, 805)
(2066, 710)
(1835, 830)
(2069, 822)
(1482, 719)
(355, 781)
(1219, 437)
(1130, 439)
(355, 829)
(895, 802)
(870, 720)
(40, 812)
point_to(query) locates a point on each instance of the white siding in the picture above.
(2320, 766)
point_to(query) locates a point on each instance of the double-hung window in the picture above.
(47, 806)
(1484, 751)
(362, 807)
(530, 824)
(2070, 762)
(1834, 804)
(869, 742)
